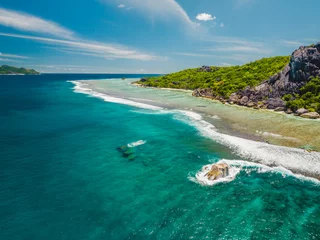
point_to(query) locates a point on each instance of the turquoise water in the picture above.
(63, 177)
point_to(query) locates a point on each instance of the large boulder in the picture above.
(244, 100)
(305, 62)
(233, 97)
(217, 171)
(301, 111)
(310, 115)
(199, 92)
(274, 103)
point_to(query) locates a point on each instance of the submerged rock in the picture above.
(127, 152)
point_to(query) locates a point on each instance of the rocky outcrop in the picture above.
(205, 69)
(304, 64)
(199, 92)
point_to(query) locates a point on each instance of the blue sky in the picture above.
(151, 36)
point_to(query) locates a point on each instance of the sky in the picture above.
(151, 36)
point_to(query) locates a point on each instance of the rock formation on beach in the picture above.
(303, 66)
(278, 83)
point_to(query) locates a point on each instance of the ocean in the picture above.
(78, 163)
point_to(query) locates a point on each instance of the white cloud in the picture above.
(163, 10)
(12, 56)
(91, 48)
(8, 60)
(29, 23)
(226, 64)
(291, 43)
(121, 6)
(222, 25)
(205, 17)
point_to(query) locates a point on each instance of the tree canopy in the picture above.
(222, 80)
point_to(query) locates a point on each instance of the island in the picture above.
(283, 83)
(9, 70)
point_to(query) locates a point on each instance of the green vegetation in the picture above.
(5, 69)
(309, 97)
(222, 80)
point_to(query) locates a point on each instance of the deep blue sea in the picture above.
(64, 175)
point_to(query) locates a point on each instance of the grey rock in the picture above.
(205, 69)
(310, 115)
(251, 104)
(301, 111)
(244, 100)
(279, 109)
(274, 103)
(289, 111)
(233, 97)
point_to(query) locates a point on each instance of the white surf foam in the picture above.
(136, 144)
(236, 166)
(81, 88)
(268, 134)
(297, 160)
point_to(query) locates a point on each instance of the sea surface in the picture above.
(79, 163)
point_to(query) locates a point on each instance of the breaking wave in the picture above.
(297, 160)
(237, 166)
(81, 88)
(135, 144)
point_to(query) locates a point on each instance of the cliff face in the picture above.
(304, 64)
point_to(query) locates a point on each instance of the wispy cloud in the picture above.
(237, 48)
(97, 49)
(193, 54)
(162, 10)
(12, 56)
(291, 43)
(241, 58)
(8, 60)
(226, 64)
(29, 23)
(121, 6)
(205, 17)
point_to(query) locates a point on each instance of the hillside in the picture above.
(5, 69)
(290, 84)
(222, 80)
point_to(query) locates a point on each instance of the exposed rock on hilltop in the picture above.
(294, 83)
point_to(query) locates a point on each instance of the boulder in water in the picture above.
(217, 171)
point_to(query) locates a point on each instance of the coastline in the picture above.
(249, 148)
